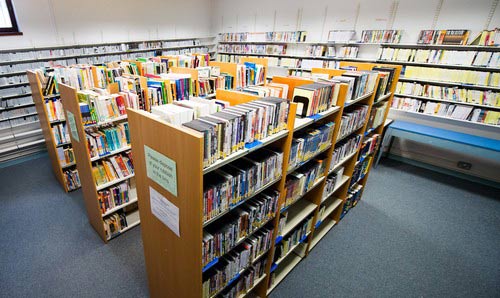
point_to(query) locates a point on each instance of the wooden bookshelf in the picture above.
(57, 167)
(84, 162)
(174, 263)
(194, 77)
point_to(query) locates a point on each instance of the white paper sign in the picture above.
(164, 210)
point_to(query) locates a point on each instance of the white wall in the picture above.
(66, 22)
(319, 16)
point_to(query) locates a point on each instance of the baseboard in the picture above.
(444, 171)
(25, 158)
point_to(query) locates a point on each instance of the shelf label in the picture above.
(161, 170)
(164, 210)
(72, 126)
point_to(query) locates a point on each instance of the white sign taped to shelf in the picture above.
(164, 210)
(161, 169)
(72, 126)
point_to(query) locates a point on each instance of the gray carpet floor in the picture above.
(416, 233)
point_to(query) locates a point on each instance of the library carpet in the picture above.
(415, 233)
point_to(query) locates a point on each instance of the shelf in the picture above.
(111, 153)
(329, 209)
(278, 56)
(437, 65)
(13, 73)
(19, 116)
(449, 101)
(342, 182)
(287, 267)
(443, 117)
(301, 123)
(17, 106)
(318, 182)
(290, 170)
(240, 153)
(116, 181)
(382, 98)
(241, 240)
(67, 57)
(109, 121)
(57, 121)
(14, 85)
(341, 162)
(300, 211)
(437, 46)
(238, 275)
(206, 223)
(321, 232)
(130, 226)
(453, 84)
(290, 251)
(63, 144)
(351, 133)
(68, 165)
(255, 283)
(351, 102)
(12, 96)
(113, 210)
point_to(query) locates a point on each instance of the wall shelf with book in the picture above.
(296, 199)
(15, 93)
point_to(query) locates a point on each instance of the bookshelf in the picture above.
(58, 167)
(172, 211)
(23, 135)
(90, 187)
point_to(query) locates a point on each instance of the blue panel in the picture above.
(318, 224)
(448, 135)
(278, 239)
(233, 280)
(315, 117)
(210, 265)
(253, 144)
(303, 238)
(273, 267)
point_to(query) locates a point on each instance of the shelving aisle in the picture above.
(172, 208)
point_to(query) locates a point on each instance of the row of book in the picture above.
(54, 109)
(65, 155)
(333, 181)
(17, 101)
(230, 267)
(116, 195)
(17, 79)
(19, 121)
(369, 145)
(453, 111)
(377, 115)
(285, 50)
(302, 180)
(220, 239)
(353, 120)
(246, 282)
(118, 221)
(268, 90)
(113, 168)
(290, 241)
(360, 170)
(352, 198)
(93, 49)
(381, 36)
(279, 36)
(487, 38)
(441, 56)
(72, 179)
(445, 37)
(61, 134)
(238, 181)
(345, 148)
(487, 98)
(13, 113)
(450, 75)
(284, 62)
(310, 142)
(103, 141)
(180, 112)
(273, 49)
(15, 91)
(248, 74)
(315, 98)
(239, 125)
